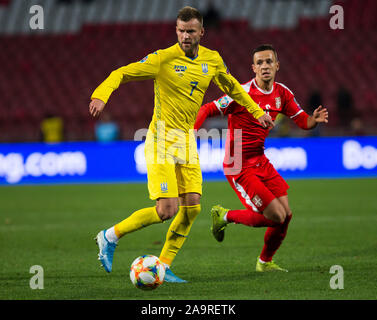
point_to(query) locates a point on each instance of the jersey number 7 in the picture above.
(194, 84)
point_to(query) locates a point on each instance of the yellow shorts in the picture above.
(169, 180)
(172, 176)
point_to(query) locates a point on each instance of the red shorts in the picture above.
(258, 185)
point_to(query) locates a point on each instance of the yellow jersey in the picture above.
(180, 83)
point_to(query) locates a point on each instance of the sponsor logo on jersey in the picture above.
(224, 102)
(164, 187)
(205, 68)
(278, 102)
(179, 69)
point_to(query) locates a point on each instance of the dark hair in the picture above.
(264, 47)
(187, 13)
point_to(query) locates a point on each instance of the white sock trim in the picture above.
(261, 261)
(111, 236)
(166, 266)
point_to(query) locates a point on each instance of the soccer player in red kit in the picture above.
(261, 189)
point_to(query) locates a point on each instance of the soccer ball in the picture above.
(147, 272)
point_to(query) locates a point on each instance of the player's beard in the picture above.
(191, 50)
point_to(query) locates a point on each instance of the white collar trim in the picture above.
(261, 90)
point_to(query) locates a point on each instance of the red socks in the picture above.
(273, 238)
(275, 232)
(249, 218)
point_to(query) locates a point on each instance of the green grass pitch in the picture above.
(334, 223)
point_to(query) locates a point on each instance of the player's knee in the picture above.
(276, 217)
(280, 217)
(167, 211)
(275, 212)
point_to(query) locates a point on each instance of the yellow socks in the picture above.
(178, 232)
(139, 219)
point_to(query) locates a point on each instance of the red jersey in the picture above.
(252, 137)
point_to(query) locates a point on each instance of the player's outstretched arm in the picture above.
(320, 115)
(266, 121)
(96, 106)
(230, 85)
(146, 68)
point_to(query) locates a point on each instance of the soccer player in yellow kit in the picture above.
(181, 74)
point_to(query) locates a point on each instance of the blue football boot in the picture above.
(171, 277)
(106, 250)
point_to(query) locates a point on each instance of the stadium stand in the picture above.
(55, 70)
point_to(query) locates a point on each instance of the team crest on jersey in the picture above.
(180, 70)
(164, 187)
(278, 102)
(205, 68)
(257, 201)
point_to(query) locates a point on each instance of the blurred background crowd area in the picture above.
(47, 76)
